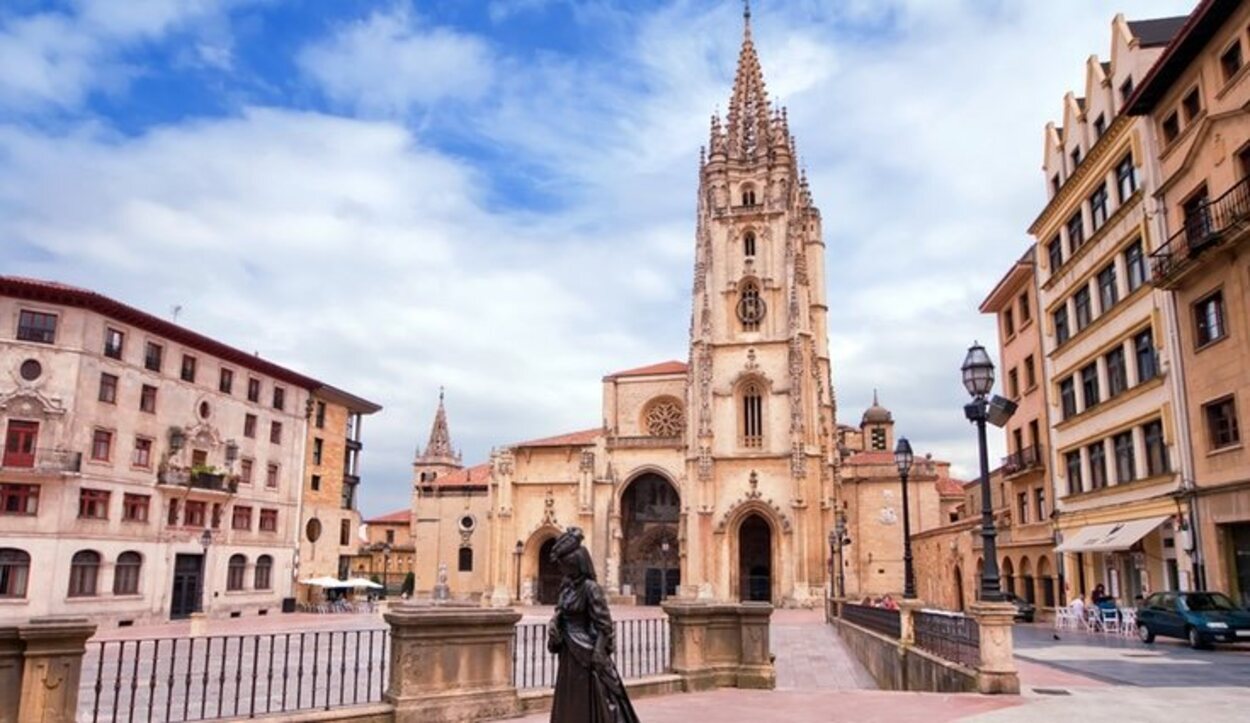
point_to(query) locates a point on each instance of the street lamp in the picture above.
(978, 375)
(903, 458)
(516, 553)
(664, 547)
(386, 567)
(206, 541)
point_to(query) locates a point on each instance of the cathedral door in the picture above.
(548, 575)
(650, 556)
(755, 560)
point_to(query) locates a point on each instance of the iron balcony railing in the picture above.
(950, 636)
(642, 649)
(212, 481)
(42, 461)
(878, 620)
(1205, 227)
(1023, 460)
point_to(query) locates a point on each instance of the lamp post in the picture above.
(664, 547)
(903, 458)
(978, 376)
(386, 567)
(516, 554)
(206, 541)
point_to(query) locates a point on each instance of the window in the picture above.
(19, 499)
(1100, 126)
(752, 415)
(1117, 372)
(1076, 232)
(249, 425)
(1144, 347)
(142, 456)
(135, 507)
(1209, 318)
(1026, 313)
(1022, 507)
(315, 482)
(1039, 503)
(347, 500)
(245, 471)
(1171, 127)
(271, 476)
(84, 571)
(147, 399)
(188, 368)
(1196, 211)
(1221, 418)
(225, 384)
(1054, 250)
(101, 445)
(1126, 177)
(1098, 206)
(1192, 104)
(30, 370)
(1108, 293)
(153, 355)
(1084, 310)
(126, 573)
(108, 388)
(345, 532)
(1062, 333)
(321, 415)
(275, 432)
(1030, 372)
(1156, 449)
(36, 327)
(1076, 157)
(1035, 436)
(466, 559)
(1089, 385)
(1097, 466)
(1135, 262)
(268, 520)
(1055, 185)
(1009, 323)
(113, 341)
(1067, 396)
(172, 517)
(14, 572)
(195, 514)
(263, 573)
(279, 398)
(235, 571)
(199, 458)
(1013, 383)
(1230, 61)
(241, 518)
(253, 389)
(1126, 89)
(1072, 460)
(748, 196)
(318, 445)
(748, 243)
(390, 537)
(1125, 464)
(750, 306)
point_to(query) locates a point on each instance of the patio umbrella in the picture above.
(361, 582)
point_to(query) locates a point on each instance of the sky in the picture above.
(498, 196)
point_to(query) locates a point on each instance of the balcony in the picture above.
(42, 461)
(644, 442)
(1214, 224)
(198, 479)
(1023, 460)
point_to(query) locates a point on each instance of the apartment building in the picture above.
(148, 472)
(1109, 357)
(1193, 104)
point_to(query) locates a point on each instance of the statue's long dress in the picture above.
(586, 693)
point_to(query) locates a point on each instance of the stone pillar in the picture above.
(10, 673)
(721, 645)
(53, 668)
(451, 662)
(997, 672)
(907, 621)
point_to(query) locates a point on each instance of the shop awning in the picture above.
(1110, 537)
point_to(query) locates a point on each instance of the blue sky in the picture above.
(498, 197)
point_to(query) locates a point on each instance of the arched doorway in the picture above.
(650, 554)
(548, 575)
(959, 589)
(1007, 576)
(755, 559)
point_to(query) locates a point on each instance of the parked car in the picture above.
(1202, 618)
(1025, 610)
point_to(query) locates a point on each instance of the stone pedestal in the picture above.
(451, 662)
(721, 645)
(10, 674)
(907, 621)
(997, 672)
(52, 668)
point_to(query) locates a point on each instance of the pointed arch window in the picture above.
(748, 195)
(748, 243)
(752, 420)
(750, 306)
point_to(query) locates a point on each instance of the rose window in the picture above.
(665, 419)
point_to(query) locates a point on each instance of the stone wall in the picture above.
(899, 667)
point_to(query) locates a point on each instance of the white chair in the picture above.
(1065, 619)
(1110, 620)
(1128, 621)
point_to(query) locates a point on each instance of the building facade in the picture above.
(1109, 356)
(1193, 105)
(149, 472)
(387, 554)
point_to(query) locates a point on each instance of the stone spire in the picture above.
(439, 451)
(749, 119)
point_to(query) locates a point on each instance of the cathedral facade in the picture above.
(711, 478)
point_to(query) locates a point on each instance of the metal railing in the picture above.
(231, 676)
(1202, 229)
(43, 460)
(949, 636)
(878, 620)
(1022, 460)
(642, 649)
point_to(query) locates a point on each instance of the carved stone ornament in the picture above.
(587, 463)
(754, 482)
(665, 418)
(549, 508)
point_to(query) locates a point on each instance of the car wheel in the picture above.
(1195, 639)
(1145, 633)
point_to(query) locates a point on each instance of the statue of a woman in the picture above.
(588, 688)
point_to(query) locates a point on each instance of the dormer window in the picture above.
(1192, 105)
(1076, 157)
(1126, 89)
(748, 243)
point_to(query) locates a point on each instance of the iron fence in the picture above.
(878, 620)
(231, 676)
(949, 636)
(642, 649)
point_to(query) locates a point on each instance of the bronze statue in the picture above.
(588, 687)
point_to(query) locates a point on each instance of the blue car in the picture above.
(1202, 618)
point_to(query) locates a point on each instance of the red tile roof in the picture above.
(397, 517)
(950, 487)
(668, 367)
(873, 457)
(469, 476)
(572, 439)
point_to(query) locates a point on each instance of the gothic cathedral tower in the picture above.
(760, 454)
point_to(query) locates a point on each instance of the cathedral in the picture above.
(713, 478)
